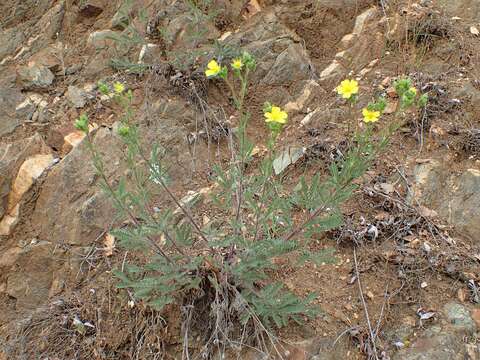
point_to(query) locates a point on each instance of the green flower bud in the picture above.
(381, 104)
(103, 88)
(123, 130)
(407, 99)
(129, 95)
(249, 60)
(378, 105)
(402, 86)
(267, 107)
(82, 123)
(422, 101)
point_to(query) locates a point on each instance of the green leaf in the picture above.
(160, 302)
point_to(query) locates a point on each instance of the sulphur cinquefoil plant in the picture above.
(228, 266)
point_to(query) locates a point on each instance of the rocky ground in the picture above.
(415, 222)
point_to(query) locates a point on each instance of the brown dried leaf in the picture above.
(109, 243)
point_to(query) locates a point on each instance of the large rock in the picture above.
(364, 44)
(168, 123)
(71, 208)
(284, 67)
(437, 344)
(38, 23)
(445, 339)
(333, 71)
(293, 64)
(35, 263)
(12, 156)
(29, 172)
(10, 40)
(455, 197)
(35, 76)
(25, 9)
(31, 169)
(9, 221)
(267, 39)
(76, 96)
(51, 57)
(321, 117)
(467, 9)
(91, 8)
(47, 28)
(459, 317)
(101, 39)
(14, 109)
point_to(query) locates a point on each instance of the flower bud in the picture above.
(249, 60)
(82, 123)
(422, 101)
(123, 130)
(402, 86)
(103, 88)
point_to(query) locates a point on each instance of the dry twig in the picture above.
(372, 335)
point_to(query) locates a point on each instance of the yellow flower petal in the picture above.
(276, 115)
(213, 68)
(237, 64)
(210, 73)
(118, 87)
(370, 116)
(347, 88)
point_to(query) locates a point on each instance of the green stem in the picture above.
(99, 167)
(232, 90)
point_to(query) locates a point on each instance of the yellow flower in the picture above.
(413, 90)
(347, 88)
(213, 69)
(118, 87)
(370, 116)
(237, 64)
(276, 115)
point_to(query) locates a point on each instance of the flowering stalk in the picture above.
(241, 68)
(262, 227)
(82, 125)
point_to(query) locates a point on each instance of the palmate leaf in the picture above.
(159, 302)
(274, 305)
(312, 195)
(255, 260)
(324, 223)
(130, 238)
(125, 282)
(133, 269)
(183, 235)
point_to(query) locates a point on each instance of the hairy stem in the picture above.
(99, 167)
